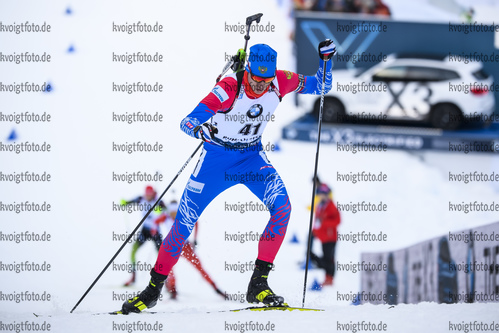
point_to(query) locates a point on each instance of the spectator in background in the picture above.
(327, 219)
(447, 277)
(468, 15)
(350, 6)
(380, 8)
(318, 185)
(321, 5)
(363, 6)
(302, 4)
(376, 7)
(391, 282)
(328, 5)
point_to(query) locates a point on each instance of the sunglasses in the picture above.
(259, 79)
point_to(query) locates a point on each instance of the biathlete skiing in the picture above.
(150, 228)
(234, 148)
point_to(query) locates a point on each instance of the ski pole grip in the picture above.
(252, 18)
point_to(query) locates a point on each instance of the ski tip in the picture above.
(120, 312)
(117, 313)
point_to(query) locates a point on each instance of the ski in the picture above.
(283, 307)
(107, 313)
(119, 312)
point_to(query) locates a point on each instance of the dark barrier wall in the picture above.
(460, 267)
(357, 49)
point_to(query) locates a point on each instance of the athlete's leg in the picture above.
(269, 188)
(328, 249)
(138, 243)
(206, 182)
(314, 258)
(189, 254)
(328, 260)
(141, 239)
(171, 285)
(135, 247)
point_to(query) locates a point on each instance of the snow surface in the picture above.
(81, 163)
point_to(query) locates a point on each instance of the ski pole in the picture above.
(137, 227)
(312, 206)
(249, 20)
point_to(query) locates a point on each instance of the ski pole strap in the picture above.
(277, 92)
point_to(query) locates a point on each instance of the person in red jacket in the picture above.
(327, 219)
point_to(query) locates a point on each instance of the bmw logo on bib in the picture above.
(254, 111)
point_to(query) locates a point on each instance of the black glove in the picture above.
(327, 49)
(205, 132)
